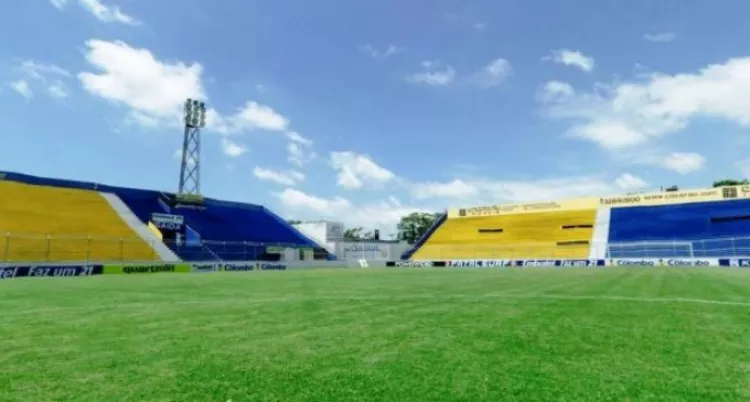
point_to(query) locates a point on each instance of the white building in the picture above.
(330, 236)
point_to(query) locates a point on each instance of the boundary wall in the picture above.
(618, 262)
(8, 271)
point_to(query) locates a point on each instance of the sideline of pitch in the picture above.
(376, 298)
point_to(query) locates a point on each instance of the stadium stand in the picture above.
(71, 216)
(694, 223)
(530, 235)
(726, 223)
(217, 230)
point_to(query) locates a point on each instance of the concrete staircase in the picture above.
(600, 237)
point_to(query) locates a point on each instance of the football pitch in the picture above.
(595, 334)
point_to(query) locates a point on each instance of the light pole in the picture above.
(190, 168)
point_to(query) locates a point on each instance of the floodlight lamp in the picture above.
(195, 113)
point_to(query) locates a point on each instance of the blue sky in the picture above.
(364, 111)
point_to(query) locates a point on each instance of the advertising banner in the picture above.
(497, 263)
(168, 221)
(155, 268)
(252, 266)
(534, 207)
(54, 271)
(415, 264)
(664, 198)
(663, 262)
(621, 262)
(632, 200)
(240, 266)
(735, 262)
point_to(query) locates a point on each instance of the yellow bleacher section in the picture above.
(528, 235)
(39, 223)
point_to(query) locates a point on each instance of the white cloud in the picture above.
(287, 178)
(355, 170)
(296, 199)
(135, 78)
(632, 113)
(23, 88)
(684, 162)
(572, 58)
(40, 71)
(660, 37)
(295, 137)
(478, 191)
(252, 116)
(382, 215)
(48, 76)
(453, 189)
(493, 74)
(255, 115)
(58, 4)
(609, 134)
(106, 13)
(58, 90)
(435, 73)
(555, 91)
(383, 54)
(299, 154)
(231, 148)
(480, 26)
(628, 181)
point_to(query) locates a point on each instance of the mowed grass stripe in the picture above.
(380, 335)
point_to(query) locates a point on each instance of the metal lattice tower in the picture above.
(190, 169)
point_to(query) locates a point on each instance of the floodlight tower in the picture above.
(190, 169)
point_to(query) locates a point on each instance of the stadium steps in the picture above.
(229, 222)
(530, 235)
(725, 223)
(64, 224)
(218, 221)
(141, 229)
(601, 234)
(426, 237)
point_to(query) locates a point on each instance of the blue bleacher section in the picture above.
(682, 223)
(225, 224)
(422, 240)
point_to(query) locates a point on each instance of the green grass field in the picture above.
(380, 335)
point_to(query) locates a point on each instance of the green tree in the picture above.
(413, 226)
(353, 234)
(730, 182)
(294, 221)
(356, 234)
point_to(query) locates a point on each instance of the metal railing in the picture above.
(717, 247)
(31, 248)
(14, 248)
